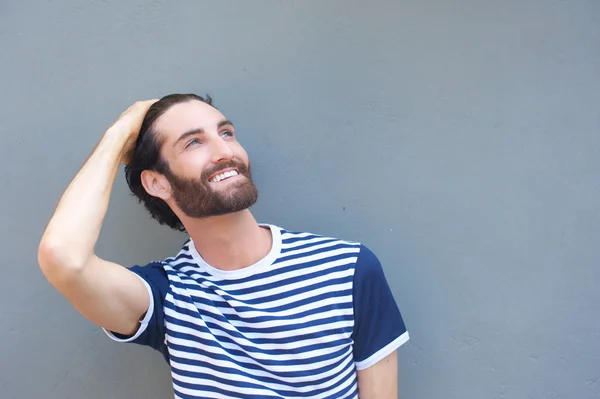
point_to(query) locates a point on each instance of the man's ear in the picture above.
(156, 184)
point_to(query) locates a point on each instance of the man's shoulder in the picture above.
(365, 255)
(323, 246)
(183, 255)
(290, 236)
(160, 265)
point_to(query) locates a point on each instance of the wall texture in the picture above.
(459, 140)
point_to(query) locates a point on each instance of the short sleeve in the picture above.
(378, 325)
(152, 326)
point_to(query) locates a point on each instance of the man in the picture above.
(244, 310)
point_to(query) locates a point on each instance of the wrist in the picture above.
(116, 141)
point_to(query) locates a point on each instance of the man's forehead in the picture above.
(186, 116)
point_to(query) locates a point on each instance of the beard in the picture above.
(197, 198)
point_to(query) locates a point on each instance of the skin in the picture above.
(111, 296)
(380, 380)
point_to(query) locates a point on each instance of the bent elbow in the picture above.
(57, 259)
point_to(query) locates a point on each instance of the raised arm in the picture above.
(107, 294)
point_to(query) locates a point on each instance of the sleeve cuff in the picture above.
(383, 352)
(143, 323)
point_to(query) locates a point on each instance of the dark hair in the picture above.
(146, 156)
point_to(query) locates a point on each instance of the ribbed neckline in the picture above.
(246, 271)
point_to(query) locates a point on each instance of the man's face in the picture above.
(208, 169)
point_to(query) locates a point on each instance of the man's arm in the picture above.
(107, 294)
(380, 381)
(379, 329)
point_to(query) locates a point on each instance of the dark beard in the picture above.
(197, 199)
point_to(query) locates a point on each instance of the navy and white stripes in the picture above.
(282, 328)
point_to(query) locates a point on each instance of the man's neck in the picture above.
(230, 242)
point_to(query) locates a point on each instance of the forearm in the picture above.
(73, 230)
(380, 381)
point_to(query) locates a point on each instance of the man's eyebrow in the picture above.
(224, 123)
(199, 131)
(188, 134)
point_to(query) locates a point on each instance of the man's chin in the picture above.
(218, 199)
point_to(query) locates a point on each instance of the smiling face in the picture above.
(208, 171)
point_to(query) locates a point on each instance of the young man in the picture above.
(244, 310)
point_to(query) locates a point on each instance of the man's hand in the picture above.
(128, 125)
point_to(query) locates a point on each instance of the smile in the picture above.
(223, 176)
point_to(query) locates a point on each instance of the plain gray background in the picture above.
(459, 140)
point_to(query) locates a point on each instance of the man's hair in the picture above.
(146, 156)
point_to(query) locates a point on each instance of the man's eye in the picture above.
(192, 142)
(227, 133)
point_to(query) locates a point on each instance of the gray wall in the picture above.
(459, 140)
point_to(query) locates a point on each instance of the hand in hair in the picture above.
(129, 124)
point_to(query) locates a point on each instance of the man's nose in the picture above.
(220, 150)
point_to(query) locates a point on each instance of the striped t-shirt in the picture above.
(297, 324)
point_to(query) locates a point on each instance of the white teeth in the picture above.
(225, 175)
